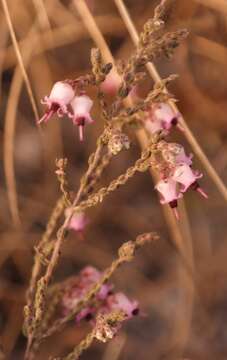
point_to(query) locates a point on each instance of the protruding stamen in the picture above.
(81, 132)
(176, 213)
(46, 116)
(202, 192)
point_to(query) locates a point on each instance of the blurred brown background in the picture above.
(184, 313)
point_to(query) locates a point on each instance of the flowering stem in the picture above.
(37, 267)
(187, 132)
(125, 254)
(141, 165)
(108, 321)
(44, 281)
(178, 233)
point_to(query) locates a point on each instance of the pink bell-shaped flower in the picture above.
(81, 106)
(90, 275)
(87, 313)
(60, 96)
(184, 175)
(153, 125)
(163, 113)
(168, 190)
(78, 286)
(120, 301)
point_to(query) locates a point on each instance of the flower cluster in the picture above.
(174, 166)
(177, 175)
(63, 101)
(105, 301)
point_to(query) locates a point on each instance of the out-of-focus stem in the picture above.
(19, 58)
(219, 5)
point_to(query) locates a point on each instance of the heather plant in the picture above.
(90, 295)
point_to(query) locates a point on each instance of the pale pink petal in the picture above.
(81, 106)
(58, 100)
(184, 175)
(168, 190)
(120, 301)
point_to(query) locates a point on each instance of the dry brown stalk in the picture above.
(219, 5)
(20, 59)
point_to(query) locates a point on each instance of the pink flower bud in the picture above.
(111, 83)
(60, 96)
(81, 106)
(78, 221)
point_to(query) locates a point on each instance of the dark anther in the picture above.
(194, 186)
(88, 317)
(173, 204)
(174, 121)
(135, 311)
(80, 121)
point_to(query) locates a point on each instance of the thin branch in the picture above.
(20, 59)
(42, 15)
(10, 121)
(93, 161)
(8, 146)
(61, 36)
(27, 48)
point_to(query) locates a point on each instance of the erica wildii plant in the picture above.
(90, 295)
